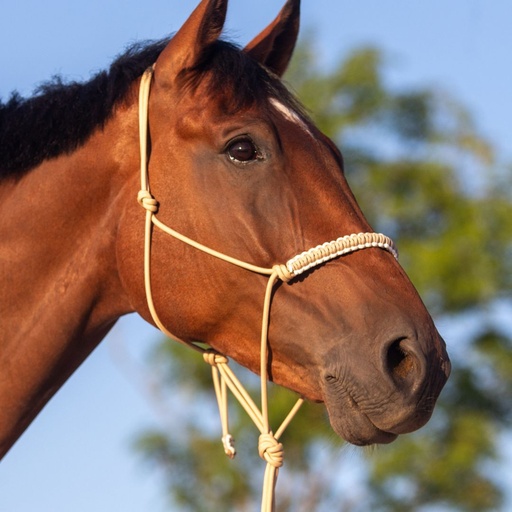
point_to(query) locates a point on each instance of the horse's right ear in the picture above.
(201, 29)
(274, 46)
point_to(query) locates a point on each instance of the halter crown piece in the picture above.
(269, 447)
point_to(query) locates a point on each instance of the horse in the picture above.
(235, 165)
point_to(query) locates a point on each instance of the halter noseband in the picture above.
(269, 447)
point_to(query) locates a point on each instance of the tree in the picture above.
(423, 175)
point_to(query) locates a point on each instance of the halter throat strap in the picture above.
(269, 447)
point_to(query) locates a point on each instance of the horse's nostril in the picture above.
(401, 363)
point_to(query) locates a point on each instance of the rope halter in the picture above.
(269, 447)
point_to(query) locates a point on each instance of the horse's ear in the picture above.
(201, 29)
(274, 46)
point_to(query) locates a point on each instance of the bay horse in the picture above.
(236, 165)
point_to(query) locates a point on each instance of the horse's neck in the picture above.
(60, 292)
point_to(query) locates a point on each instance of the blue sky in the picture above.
(76, 455)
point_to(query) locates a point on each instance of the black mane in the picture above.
(60, 117)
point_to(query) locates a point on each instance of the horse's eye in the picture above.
(242, 151)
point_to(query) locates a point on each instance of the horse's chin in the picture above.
(356, 428)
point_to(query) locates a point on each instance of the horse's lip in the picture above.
(378, 437)
(355, 427)
(359, 430)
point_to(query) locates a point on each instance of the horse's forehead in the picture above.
(290, 115)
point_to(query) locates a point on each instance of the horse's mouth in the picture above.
(353, 424)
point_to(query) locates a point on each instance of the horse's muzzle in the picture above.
(397, 398)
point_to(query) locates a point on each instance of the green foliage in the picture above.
(422, 174)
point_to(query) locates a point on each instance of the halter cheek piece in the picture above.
(269, 447)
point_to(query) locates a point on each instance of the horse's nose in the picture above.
(406, 365)
(417, 368)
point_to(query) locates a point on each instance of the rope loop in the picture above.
(271, 450)
(213, 358)
(147, 201)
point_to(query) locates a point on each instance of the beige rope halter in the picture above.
(269, 447)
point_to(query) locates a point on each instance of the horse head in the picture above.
(237, 165)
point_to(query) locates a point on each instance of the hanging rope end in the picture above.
(229, 446)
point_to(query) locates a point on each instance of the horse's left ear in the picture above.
(183, 51)
(274, 46)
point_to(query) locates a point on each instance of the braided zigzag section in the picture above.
(344, 245)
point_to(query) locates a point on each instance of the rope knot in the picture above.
(147, 201)
(283, 273)
(213, 358)
(271, 450)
